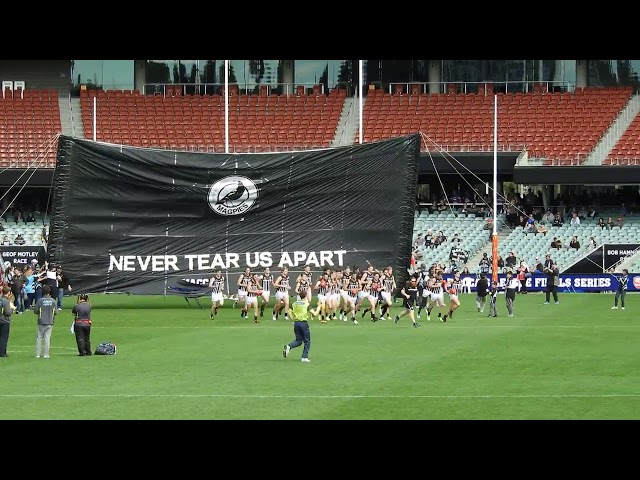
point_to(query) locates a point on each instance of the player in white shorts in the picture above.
(388, 287)
(322, 287)
(267, 280)
(251, 299)
(351, 297)
(243, 280)
(305, 282)
(216, 284)
(436, 285)
(282, 287)
(334, 297)
(454, 287)
(374, 288)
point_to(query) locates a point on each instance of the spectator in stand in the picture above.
(522, 221)
(592, 243)
(557, 221)
(556, 243)
(582, 214)
(511, 260)
(6, 241)
(620, 222)
(456, 240)
(601, 223)
(610, 223)
(530, 226)
(574, 243)
(19, 240)
(575, 220)
(419, 241)
(592, 212)
(548, 217)
(18, 217)
(30, 218)
(542, 228)
(547, 261)
(428, 240)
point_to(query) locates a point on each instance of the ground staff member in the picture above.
(482, 290)
(45, 309)
(82, 325)
(6, 310)
(299, 313)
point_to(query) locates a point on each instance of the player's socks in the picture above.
(415, 324)
(364, 312)
(262, 307)
(212, 316)
(395, 319)
(383, 310)
(255, 319)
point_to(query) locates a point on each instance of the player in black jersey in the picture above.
(282, 287)
(423, 292)
(410, 293)
(216, 284)
(266, 279)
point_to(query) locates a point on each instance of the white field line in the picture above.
(316, 397)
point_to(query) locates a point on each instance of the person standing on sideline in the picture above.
(45, 309)
(621, 291)
(6, 310)
(553, 280)
(493, 312)
(299, 313)
(63, 284)
(482, 289)
(510, 293)
(82, 325)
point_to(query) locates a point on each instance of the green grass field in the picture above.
(576, 360)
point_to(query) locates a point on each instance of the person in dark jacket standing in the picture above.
(45, 309)
(82, 325)
(621, 291)
(63, 285)
(553, 280)
(6, 310)
(482, 289)
(493, 297)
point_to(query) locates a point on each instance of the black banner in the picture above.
(146, 221)
(602, 258)
(22, 255)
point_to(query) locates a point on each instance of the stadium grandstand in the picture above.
(568, 138)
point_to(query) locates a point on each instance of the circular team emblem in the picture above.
(232, 195)
(636, 282)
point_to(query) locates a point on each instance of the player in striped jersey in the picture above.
(304, 281)
(374, 292)
(335, 298)
(267, 280)
(253, 292)
(344, 276)
(282, 287)
(436, 289)
(424, 294)
(322, 287)
(454, 287)
(352, 289)
(243, 280)
(366, 278)
(216, 284)
(388, 287)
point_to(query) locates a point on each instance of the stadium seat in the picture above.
(562, 128)
(627, 150)
(196, 122)
(31, 121)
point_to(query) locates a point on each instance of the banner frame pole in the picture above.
(494, 237)
(226, 106)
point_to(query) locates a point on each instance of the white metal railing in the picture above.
(73, 125)
(487, 87)
(218, 88)
(615, 130)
